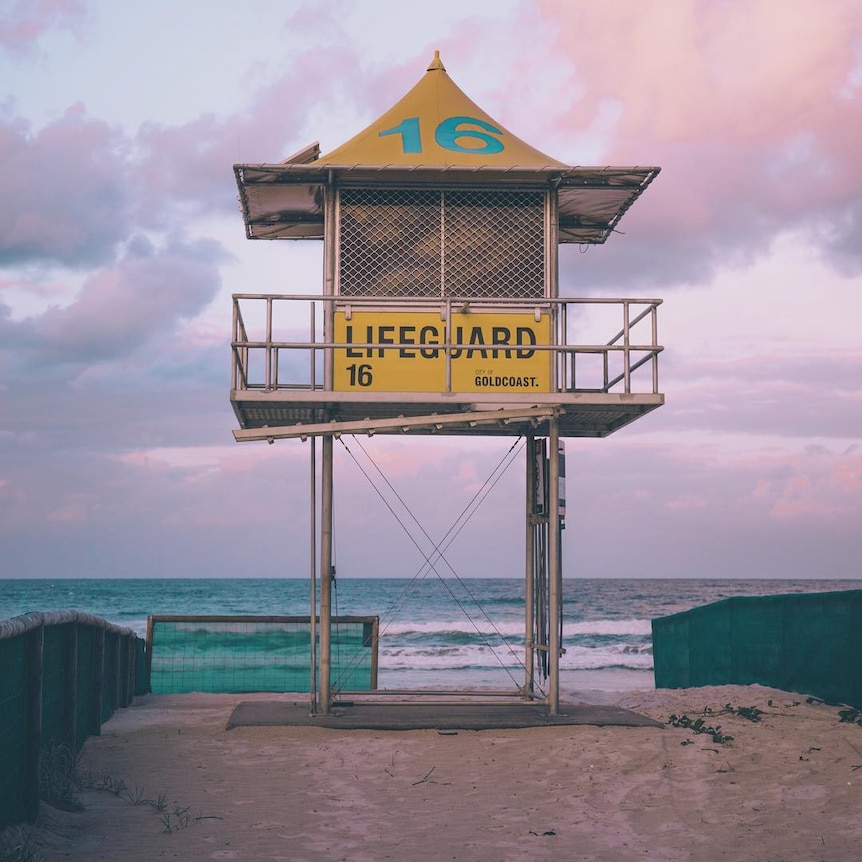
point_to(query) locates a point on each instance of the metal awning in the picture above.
(286, 201)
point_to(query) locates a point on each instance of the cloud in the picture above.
(184, 171)
(64, 191)
(147, 292)
(750, 109)
(803, 395)
(694, 509)
(24, 22)
(77, 187)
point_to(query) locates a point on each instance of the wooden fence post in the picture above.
(33, 708)
(97, 682)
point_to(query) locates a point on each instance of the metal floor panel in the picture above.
(581, 415)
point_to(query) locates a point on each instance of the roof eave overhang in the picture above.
(592, 199)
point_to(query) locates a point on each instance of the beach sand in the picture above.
(788, 787)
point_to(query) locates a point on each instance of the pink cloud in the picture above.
(816, 484)
(64, 191)
(119, 308)
(25, 21)
(688, 502)
(746, 107)
(187, 169)
(702, 70)
(75, 510)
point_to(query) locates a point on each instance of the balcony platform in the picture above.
(303, 413)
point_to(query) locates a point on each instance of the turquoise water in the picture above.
(432, 632)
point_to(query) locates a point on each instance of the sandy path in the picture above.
(785, 788)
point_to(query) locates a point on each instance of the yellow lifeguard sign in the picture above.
(411, 352)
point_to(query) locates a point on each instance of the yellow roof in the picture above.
(437, 125)
(434, 135)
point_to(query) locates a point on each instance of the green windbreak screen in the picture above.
(809, 643)
(13, 712)
(244, 654)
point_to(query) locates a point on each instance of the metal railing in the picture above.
(583, 360)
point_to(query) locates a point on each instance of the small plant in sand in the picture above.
(179, 818)
(850, 716)
(59, 777)
(752, 713)
(698, 725)
(172, 819)
(15, 846)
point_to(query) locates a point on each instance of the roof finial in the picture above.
(436, 64)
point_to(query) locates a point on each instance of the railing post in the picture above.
(313, 340)
(234, 371)
(627, 372)
(448, 339)
(268, 349)
(561, 360)
(244, 368)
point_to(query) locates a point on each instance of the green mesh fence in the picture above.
(61, 675)
(809, 643)
(238, 654)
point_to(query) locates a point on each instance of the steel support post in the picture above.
(312, 581)
(555, 583)
(530, 563)
(326, 575)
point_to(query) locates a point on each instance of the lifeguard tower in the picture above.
(440, 314)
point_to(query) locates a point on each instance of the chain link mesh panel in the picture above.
(421, 243)
(236, 654)
(494, 244)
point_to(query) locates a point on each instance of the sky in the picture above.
(121, 243)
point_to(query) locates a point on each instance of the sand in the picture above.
(788, 787)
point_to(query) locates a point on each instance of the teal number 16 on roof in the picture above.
(448, 133)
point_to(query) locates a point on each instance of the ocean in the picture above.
(451, 633)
